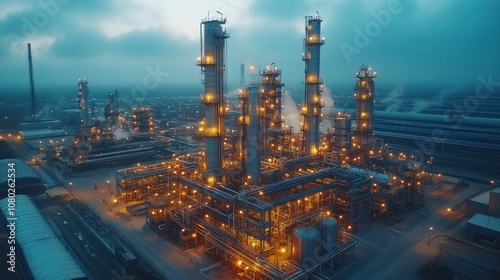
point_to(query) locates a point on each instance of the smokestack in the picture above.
(364, 94)
(212, 62)
(250, 120)
(313, 85)
(242, 77)
(32, 83)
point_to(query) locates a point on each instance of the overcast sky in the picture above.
(116, 43)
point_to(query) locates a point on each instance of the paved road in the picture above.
(402, 253)
(169, 260)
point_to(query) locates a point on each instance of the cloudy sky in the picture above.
(116, 43)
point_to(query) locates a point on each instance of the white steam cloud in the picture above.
(120, 133)
(438, 99)
(290, 111)
(393, 101)
(327, 97)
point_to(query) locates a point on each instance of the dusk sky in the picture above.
(116, 43)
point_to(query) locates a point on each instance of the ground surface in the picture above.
(400, 251)
(404, 250)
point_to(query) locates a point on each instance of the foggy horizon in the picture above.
(409, 43)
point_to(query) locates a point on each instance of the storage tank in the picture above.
(305, 245)
(328, 230)
(342, 125)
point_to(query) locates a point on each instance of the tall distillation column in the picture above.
(142, 120)
(272, 89)
(212, 62)
(313, 85)
(242, 75)
(250, 121)
(83, 95)
(111, 112)
(342, 126)
(364, 95)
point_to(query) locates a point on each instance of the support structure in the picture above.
(212, 62)
(313, 85)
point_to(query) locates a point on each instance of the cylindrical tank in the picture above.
(342, 125)
(253, 144)
(305, 245)
(328, 230)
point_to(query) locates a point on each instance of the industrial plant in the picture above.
(274, 203)
(229, 177)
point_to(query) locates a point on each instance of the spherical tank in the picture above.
(328, 230)
(305, 245)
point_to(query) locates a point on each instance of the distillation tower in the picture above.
(212, 61)
(364, 95)
(250, 143)
(342, 130)
(271, 90)
(313, 85)
(111, 112)
(83, 95)
(142, 120)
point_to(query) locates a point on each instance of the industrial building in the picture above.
(112, 140)
(468, 150)
(44, 251)
(272, 203)
(484, 213)
(26, 180)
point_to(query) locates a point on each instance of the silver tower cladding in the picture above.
(212, 62)
(32, 83)
(313, 85)
(252, 127)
